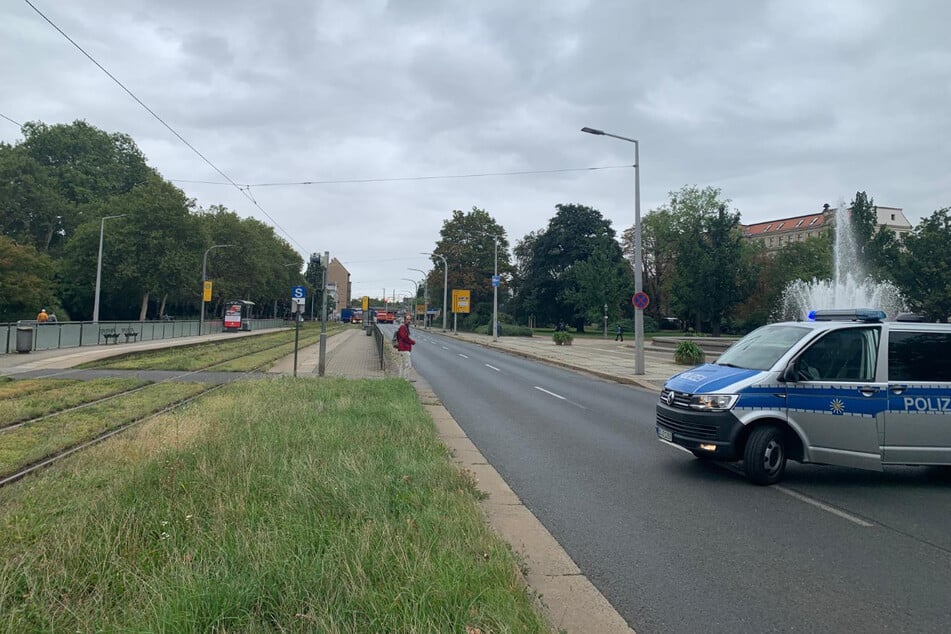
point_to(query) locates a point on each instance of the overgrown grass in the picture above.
(287, 505)
(25, 445)
(15, 389)
(45, 396)
(203, 355)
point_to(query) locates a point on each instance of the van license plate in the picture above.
(664, 434)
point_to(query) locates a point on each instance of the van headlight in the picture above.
(713, 402)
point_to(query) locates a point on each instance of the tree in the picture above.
(877, 246)
(34, 210)
(25, 281)
(658, 235)
(548, 286)
(713, 264)
(468, 242)
(924, 273)
(154, 249)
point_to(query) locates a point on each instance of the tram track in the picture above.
(60, 454)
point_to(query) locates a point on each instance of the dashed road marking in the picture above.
(550, 393)
(492, 367)
(462, 355)
(823, 506)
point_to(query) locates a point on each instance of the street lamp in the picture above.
(638, 273)
(95, 305)
(204, 268)
(445, 284)
(495, 294)
(425, 295)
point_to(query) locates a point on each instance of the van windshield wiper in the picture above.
(731, 365)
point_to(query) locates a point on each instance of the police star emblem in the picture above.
(837, 406)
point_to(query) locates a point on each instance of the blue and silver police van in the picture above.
(848, 389)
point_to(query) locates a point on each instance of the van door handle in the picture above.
(898, 390)
(868, 391)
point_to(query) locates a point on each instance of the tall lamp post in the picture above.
(425, 296)
(605, 321)
(445, 284)
(204, 276)
(95, 305)
(495, 294)
(638, 267)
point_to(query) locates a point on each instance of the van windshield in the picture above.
(760, 349)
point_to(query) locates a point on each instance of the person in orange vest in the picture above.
(42, 318)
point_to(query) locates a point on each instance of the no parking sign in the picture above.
(640, 300)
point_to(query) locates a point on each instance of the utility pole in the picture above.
(323, 317)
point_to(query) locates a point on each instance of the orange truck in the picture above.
(384, 317)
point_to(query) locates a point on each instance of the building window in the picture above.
(799, 236)
(770, 242)
(780, 226)
(893, 217)
(768, 227)
(813, 221)
(800, 221)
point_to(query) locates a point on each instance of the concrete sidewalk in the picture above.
(349, 354)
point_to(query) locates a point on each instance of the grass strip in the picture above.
(25, 445)
(60, 395)
(291, 505)
(14, 389)
(203, 355)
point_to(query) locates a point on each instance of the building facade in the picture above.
(338, 286)
(775, 234)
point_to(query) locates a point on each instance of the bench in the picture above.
(129, 334)
(109, 333)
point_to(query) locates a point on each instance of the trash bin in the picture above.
(24, 337)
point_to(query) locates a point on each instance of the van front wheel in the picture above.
(765, 457)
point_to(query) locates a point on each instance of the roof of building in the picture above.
(795, 223)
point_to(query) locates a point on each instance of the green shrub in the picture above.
(688, 353)
(562, 338)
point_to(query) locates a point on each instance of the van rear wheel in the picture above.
(764, 459)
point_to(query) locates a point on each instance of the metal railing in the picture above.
(379, 339)
(75, 334)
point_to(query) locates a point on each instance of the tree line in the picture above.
(697, 265)
(61, 181)
(57, 186)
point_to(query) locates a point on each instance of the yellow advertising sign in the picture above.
(207, 292)
(366, 302)
(460, 301)
(420, 309)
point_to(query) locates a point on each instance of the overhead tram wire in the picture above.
(11, 120)
(409, 178)
(170, 128)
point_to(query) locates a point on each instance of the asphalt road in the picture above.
(680, 545)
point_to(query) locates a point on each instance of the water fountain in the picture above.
(850, 286)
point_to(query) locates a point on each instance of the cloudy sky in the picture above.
(783, 105)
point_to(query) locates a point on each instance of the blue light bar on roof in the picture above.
(851, 314)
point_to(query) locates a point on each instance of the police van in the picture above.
(848, 389)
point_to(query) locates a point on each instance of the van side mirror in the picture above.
(789, 374)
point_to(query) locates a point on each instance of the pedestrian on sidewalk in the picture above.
(404, 344)
(42, 318)
(620, 333)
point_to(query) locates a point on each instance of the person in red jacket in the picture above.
(404, 344)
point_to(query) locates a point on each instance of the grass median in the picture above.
(202, 355)
(293, 505)
(37, 397)
(34, 441)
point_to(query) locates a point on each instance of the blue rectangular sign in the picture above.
(298, 292)
(495, 280)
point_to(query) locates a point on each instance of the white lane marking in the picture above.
(445, 348)
(492, 367)
(462, 355)
(823, 506)
(550, 393)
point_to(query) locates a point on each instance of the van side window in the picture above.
(847, 354)
(919, 356)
